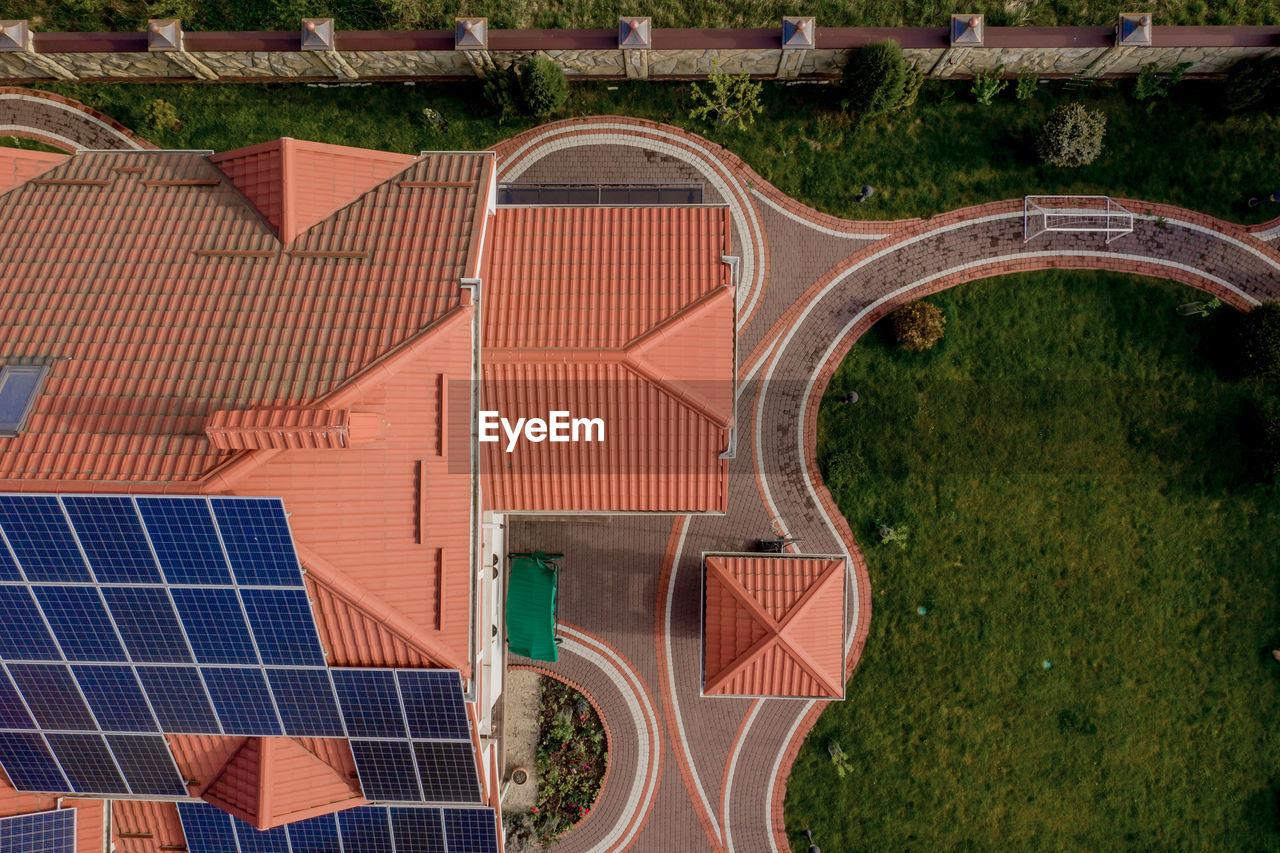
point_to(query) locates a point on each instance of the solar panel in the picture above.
(386, 770)
(370, 703)
(306, 702)
(52, 695)
(471, 830)
(258, 542)
(115, 697)
(367, 829)
(148, 624)
(284, 627)
(13, 713)
(433, 703)
(274, 840)
(417, 830)
(147, 765)
(41, 539)
(185, 540)
(87, 762)
(242, 700)
(30, 764)
(23, 635)
(208, 829)
(215, 625)
(448, 771)
(8, 568)
(112, 537)
(178, 696)
(80, 623)
(42, 832)
(314, 835)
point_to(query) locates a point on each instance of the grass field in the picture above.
(945, 152)
(439, 14)
(1070, 470)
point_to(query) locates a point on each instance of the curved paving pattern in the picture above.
(811, 285)
(61, 122)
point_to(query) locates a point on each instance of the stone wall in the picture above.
(593, 53)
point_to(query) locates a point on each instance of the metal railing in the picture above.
(622, 195)
(1074, 213)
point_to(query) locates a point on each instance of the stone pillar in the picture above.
(16, 37)
(798, 37)
(967, 32)
(635, 40)
(471, 36)
(1133, 35)
(319, 35)
(164, 35)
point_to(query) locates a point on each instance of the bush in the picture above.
(1154, 82)
(911, 84)
(875, 78)
(160, 116)
(1259, 341)
(1072, 135)
(987, 84)
(543, 86)
(1253, 83)
(731, 98)
(918, 326)
(1028, 83)
(502, 92)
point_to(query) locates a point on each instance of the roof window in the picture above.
(19, 385)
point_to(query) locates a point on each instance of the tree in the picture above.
(731, 98)
(543, 86)
(1072, 135)
(918, 326)
(1253, 83)
(875, 78)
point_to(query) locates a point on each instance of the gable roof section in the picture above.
(773, 626)
(139, 826)
(161, 297)
(295, 184)
(18, 165)
(622, 314)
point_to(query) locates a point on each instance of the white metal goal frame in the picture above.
(1099, 214)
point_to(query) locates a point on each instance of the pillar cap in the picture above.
(798, 33)
(1134, 28)
(635, 32)
(470, 33)
(968, 30)
(164, 34)
(15, 36)
(318, 34)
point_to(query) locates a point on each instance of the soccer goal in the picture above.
(1074, 213)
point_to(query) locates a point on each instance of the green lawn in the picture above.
(943, 153)
(1072, 475)
(428, 14)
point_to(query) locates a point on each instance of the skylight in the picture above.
(19, 385)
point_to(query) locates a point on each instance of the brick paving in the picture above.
(61, 122)
(811, 285)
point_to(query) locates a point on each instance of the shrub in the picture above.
(1154, 82)
(1253, 83)
(1028, 83)
(502, 92)
(731, 98)
(160, 116)
(1259, 341)
(543, 86)
(875, 78)
(911, 84)
(1072, 135)
(918, 326)
(987, 84)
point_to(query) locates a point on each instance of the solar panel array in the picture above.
(366, 829)
(40, 832)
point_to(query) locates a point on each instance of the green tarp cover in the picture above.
(531, 607)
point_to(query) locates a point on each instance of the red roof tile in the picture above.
(19, 164)
(289, 427)
(622, 314)
(773, 626)
(144, 827)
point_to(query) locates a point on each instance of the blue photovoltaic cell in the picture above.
(80, 622)
(386, 770)
(148, 624)
(433, 703)
(112, 538)
(370, 703)
(178, 697)
(208, 829)
(8, 568)
(185, 540)
(42, 832)
(13, 714)
(115, 698)
(215, 625)
(87, 762)
(448, 771)
(30, 764)
(147, 765)
(304, 698)
(274, 840)
(417, 830)
(283, 626)
(314, 835)
(365, 829)
(471, 830)
(41, 539)
(258, 541)
(23, 635)
(51, 693)
(242, 700)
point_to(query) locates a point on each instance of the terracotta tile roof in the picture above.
(290, 427)
(18, 165)
(164, 297)
(623, 314)
(144, 827)
(773, 626)
(295, 184)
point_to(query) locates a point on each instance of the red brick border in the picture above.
(35, 96)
